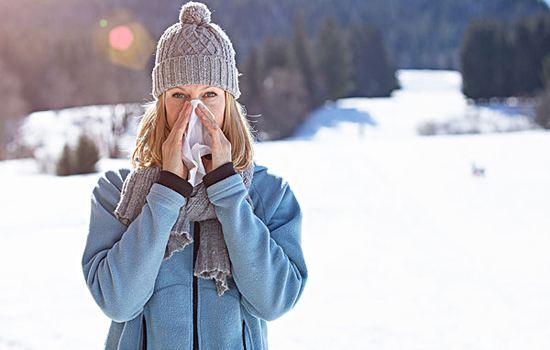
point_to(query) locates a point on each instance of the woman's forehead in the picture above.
(189, 87)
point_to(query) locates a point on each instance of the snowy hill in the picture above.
(426, 96)
(406, 249)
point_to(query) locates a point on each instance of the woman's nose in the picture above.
(195, 95)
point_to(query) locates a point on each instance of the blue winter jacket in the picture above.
(158, 304)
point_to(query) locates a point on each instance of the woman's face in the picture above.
(212, 96)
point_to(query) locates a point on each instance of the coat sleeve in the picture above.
(121, 263)
(267, 261)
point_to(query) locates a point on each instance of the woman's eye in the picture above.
(180, 95)
(177, 94)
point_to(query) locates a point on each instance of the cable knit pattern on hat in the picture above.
(195, 51)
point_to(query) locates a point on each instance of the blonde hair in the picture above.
(153, 131)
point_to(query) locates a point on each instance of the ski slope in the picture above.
(405, 248)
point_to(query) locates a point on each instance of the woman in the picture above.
(177, 266)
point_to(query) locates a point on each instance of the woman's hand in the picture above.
(171, 148)
(221, 147)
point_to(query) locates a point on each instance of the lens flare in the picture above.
(123, 40)
(120, 38)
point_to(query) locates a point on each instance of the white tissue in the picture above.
(196, 143)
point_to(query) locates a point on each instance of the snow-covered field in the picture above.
(406, 249)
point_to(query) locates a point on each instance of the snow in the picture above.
(65, 126)
(405, 248)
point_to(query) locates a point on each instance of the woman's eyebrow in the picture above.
(184, 89)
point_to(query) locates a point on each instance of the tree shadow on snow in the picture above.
(329, 117)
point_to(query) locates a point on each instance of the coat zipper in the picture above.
(196, 240)
(244, 336)
(144, 334)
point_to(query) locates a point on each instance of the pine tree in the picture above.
(283, 106)
(81, 160)
(65, 163)
(524, 73)
(546, 71)
(542, 111)
(498, 59)
(86, 155)
(277, 52)
(374, 73)
(304, 60)
(334, 60)
(531, 40)
(484, 60)
(251, 82)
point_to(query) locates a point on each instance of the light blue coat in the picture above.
(151, 301)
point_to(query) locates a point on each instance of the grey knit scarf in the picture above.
(212, 261)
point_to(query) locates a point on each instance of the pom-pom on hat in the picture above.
(195, 12)
(195, 51)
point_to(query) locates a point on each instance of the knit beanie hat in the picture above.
(195, 51)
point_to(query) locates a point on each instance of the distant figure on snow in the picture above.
(477, 170)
